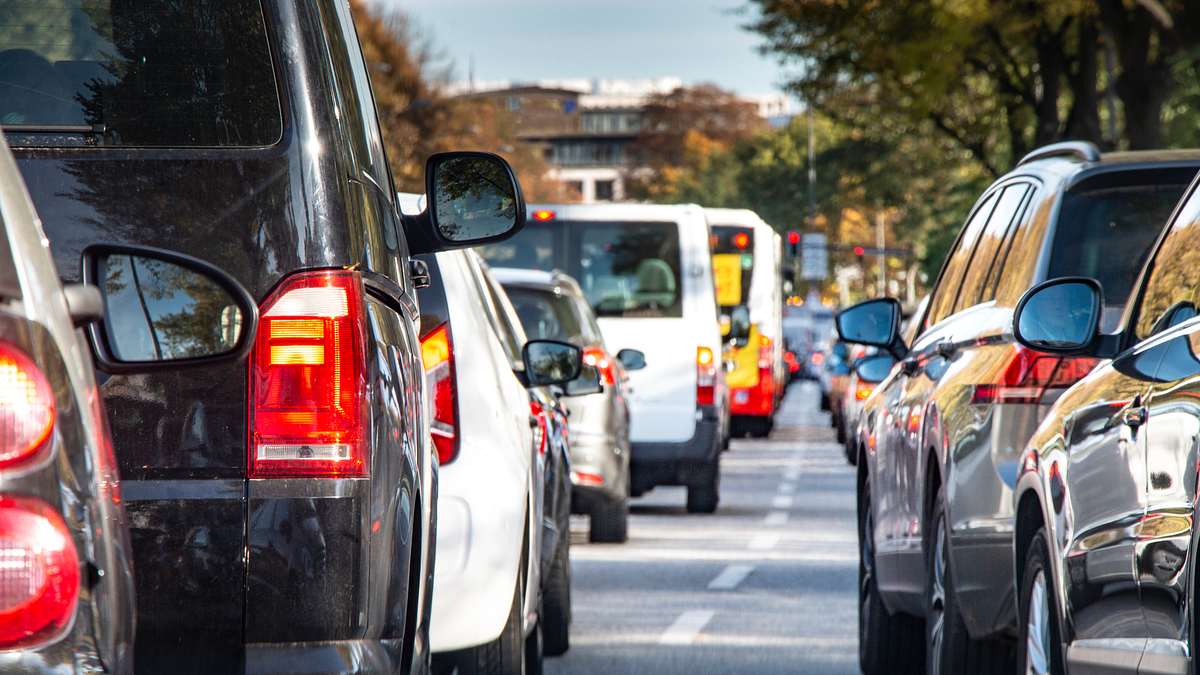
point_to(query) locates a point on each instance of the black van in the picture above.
(280, 510)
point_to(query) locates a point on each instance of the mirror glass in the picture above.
(159, 311)
(588, 382)
(870, 323)
(474, 198)
(551, 362)
(1060, 317)
(632, 359)
(872, 369)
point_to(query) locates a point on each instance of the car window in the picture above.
(148, 73)
(974, 287)
(495, 313)
(532, 248)
(1174, 275)
(947, 290)
(1105, 231)
(629, 269)
(1004, 276)
(546, 315)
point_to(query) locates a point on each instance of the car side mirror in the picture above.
(632, 359)
(163, 309)
(472, 198)
(550, 362)
(588, 382)
(1060, 316)
(875, 323)
(874, 369)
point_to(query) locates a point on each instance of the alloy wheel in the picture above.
(937, 599)
(866, 566)
(1037, 629)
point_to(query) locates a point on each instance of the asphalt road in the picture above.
(766, 585)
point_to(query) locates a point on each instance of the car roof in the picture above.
(736, 217)
(626, 211)
(555, 280)
(1073, 168)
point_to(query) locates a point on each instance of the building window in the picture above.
(604, 190)
(514, 103)
(575, 187)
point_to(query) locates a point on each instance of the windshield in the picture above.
(546, 315)
(733, 264)
(151, 73)
(1097, 222)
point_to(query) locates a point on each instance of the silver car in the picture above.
(552, 307)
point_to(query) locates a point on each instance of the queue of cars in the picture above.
(1027, 469)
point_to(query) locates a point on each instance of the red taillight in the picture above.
(1028, 374)
(543, 215)
(39, 572)
(817, 358)
(706, 376)
(588, 478)
(541, 429)
(308, 385)
(863, 392)
(437, 353)
(766, 352)
(598, 358)
(26, 407)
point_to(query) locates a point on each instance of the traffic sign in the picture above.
(814, 257)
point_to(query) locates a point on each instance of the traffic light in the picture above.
(793, 240)
(860, 251)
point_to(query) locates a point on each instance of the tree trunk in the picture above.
(1050, 57)
(1144, 84)
(1083, 120)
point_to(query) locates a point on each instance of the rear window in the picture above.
(1106, 227)
(733, 264)
(629, 269)
(546, 315)
(532, 248)
(152, 73)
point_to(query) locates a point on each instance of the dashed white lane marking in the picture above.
(782, 502)
(730, 577)
(791, 473)
(787, 488)
(776, 518)
(687, 627)
(764, 542)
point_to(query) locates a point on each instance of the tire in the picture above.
(534, 651)
(949, 648)
(1037, 564)
(556, 601)
(610, 522)
(761, 427)
(506, 655)
(703, 493)
(887, 643)
(824, 402)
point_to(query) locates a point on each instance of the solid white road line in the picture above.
(764, 542)
(782, 502)
(776, 518)
(687, 627)
(730, 577)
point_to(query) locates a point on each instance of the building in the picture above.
(586, 128)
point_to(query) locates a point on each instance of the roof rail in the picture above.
(1084, 150)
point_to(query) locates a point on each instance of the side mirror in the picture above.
(632, 359)
(874, 369)
(472, 198)
(550, 362)
(165, 310)
(588, 382)
(875, 323)
(1060, 316)
(739, 325)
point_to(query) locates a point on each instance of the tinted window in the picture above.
(546, 315)
(1175, 272)
(974, 289)
(532, 248)
(733, 264)
(151, 73)
(947, 290)
(1105, 232)
(630, 269)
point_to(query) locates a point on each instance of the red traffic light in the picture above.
(859, 251)
(741, 240)
(793, 237)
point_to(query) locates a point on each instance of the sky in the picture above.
(696, 40)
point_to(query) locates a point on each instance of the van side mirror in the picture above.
(472, 198)
(874, 369)
(588, 382)
(632, 359)
(550, 362)
(875, 323)
(163, 309)
(1060, 316)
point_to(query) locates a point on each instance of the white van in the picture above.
(747, 261)
(647, 273)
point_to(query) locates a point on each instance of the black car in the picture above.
(280, 511)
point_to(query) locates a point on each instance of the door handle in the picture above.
(1135, 415)
(946, 349)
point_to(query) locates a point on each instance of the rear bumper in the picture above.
(673, 463)
(319, 658)
(597, 470)
(756, 401)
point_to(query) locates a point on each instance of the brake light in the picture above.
(1028, 374)
(818, 358)
(308, 386)
(543, 215)
(765, 352)
(541, 428)
(863, 392)
(706, 376)
(27, 409)
(437, 353)
(599, 359)
(39, 572)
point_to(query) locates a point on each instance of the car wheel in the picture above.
(761, 427)
(506, 655)
(949, 648)
(534, 650)
(556, 600)
(887, 643)
(1039, 647)
(610, 522)
(824, 401)
(704, 492)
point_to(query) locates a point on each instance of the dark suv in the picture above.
(281, 510)
(940, 440)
